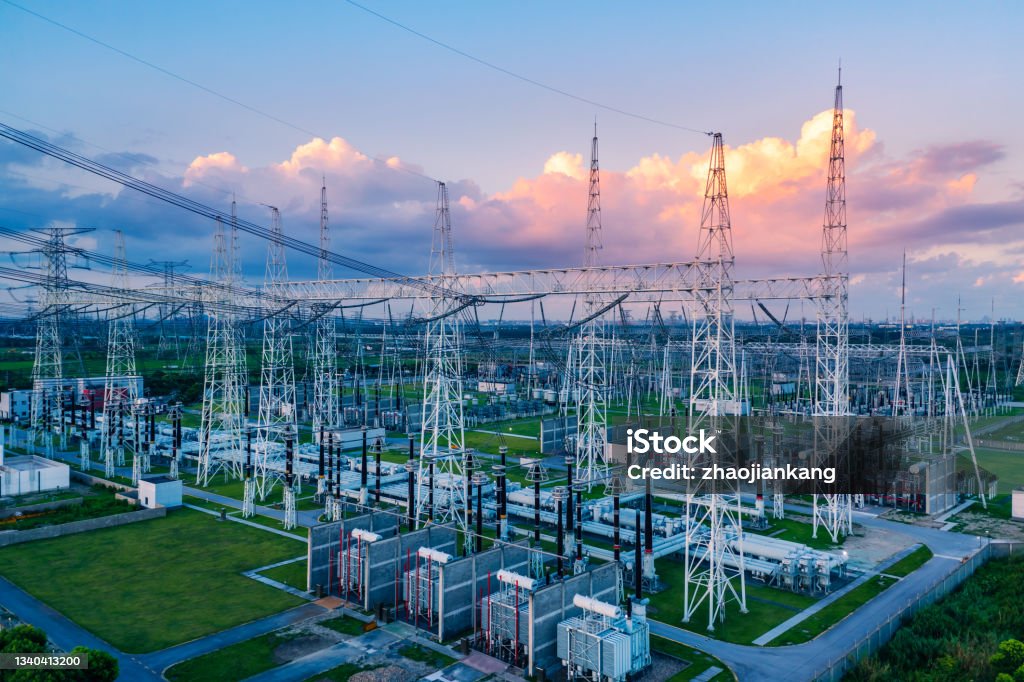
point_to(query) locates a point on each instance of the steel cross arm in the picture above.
(211, 298)
(642, 283)
(860, 351)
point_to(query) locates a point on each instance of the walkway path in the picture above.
(246, 522)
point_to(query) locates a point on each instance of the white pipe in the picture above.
(596, 606)
(365, 535)
(516, 579)
(433, 555)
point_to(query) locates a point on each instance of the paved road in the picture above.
(66, 634)
(802, 661)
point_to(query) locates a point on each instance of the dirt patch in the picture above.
(873, 546)
(297, 647)
(391, 673)
(664, 667)
(985, 526)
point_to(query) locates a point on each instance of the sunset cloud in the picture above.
(924, 202)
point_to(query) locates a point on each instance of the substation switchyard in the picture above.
(464, 473)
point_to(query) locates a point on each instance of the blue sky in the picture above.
(919, 75)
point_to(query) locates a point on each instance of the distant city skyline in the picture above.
(933, 150)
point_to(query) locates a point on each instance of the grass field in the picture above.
(767, 607)
(235, 662)
(698, 660)
(911, 562)
(345, 625)
(293, 574)
(432, 658)
(795, 529)
(834, 612)
(97, 502)
(153, 584)
(1008, 466)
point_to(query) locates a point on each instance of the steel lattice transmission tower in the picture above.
(277, 414)
(225, 376)
(325, 352)
(48, 365)
(832, 365)
(165, 311)
(442, 431)
(714, 562)
(120, 386)
(591, 417)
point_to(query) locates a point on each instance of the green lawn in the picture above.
(796, 529)
(99, 502)
(834, 612)
(235, 662)
(766, 606)
(432, 658)
(345, 625)
(911, 562)
(1008, 466)
(153, 584)
(698, 660)
(293, 574)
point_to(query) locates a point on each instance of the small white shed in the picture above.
(159, 491)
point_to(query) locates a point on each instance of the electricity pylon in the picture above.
(714, 563)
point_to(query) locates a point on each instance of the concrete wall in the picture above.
(96, 480)
(17, 537)
(42, 506)
(325, 540)
(462, 582)
(386, 560)
(552, 604)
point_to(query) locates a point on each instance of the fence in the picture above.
(19, 536)
(874, 641)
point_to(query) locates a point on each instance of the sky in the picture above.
(326, 89)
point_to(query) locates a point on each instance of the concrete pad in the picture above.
(456, 673)
(484, 663)
(329, 602)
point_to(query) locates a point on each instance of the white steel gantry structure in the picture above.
(442, 430)
(224, 383)
(120, 384)
(276, 419)
(714, 560)
(590, 375)
(833, 511)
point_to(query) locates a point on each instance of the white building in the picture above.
(15, 404)
(23, 474)
(1017, 504)
(159, 491)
